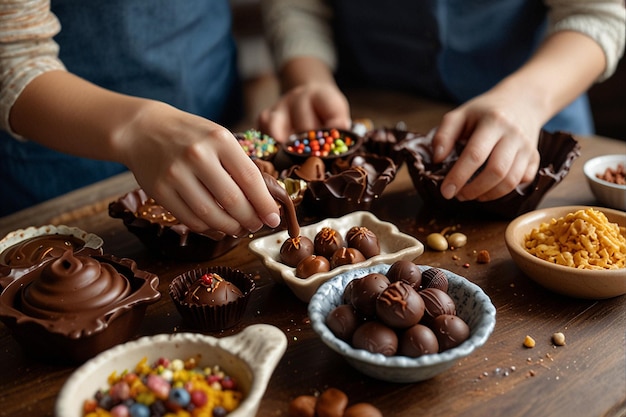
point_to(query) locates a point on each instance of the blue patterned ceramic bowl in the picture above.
(472, 305)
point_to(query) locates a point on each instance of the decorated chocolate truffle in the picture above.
(418, 340)
(73, 284)
(346, 256)
(406, 271)
(365, 291)
(327, 241)
(375, 337)
(295, 249)
(343, 321)
(436, 303)
(450, 330)
(399, 305)
(311, 265)
(435, 278)
(212, 290)
(363, 239)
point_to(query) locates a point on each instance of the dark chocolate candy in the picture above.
(375, 337)
(343, 321)
(406, 271)
(399, 305)
(365, 290)
(311, 265)
(436, 303)
(435, 278)
(418, 340)
(293, 250)
(212, 290)
(346, 256)
(450, 330)
(327, 241)
(363, 239)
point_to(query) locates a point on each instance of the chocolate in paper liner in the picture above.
(352, 185)
(84, 334)
(212, 318)
(557, 150)
(173, 241)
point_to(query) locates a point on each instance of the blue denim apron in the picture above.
(448, 50)
(179, 52)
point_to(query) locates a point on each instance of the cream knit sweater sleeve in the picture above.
(302, 28)
(27, 49)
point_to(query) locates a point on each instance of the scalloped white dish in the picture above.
(394, 246)
(472, 305)
(249, 356)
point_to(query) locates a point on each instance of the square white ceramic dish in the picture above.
(249, 356)
(394, 246)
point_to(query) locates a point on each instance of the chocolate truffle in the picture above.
(73, 284)
(436, 303)
(212, 290)
(346, 256)
(327, 241)
(311, 265)
(343, 321)
(450, 330)
(295, 249)
(363, 239)
(406, 271)
(365, 291)
(399, 305)
(33, 250)
(435, 278)
(418, 340)
(375, 337)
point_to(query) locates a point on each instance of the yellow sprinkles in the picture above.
(167, 388)
(584, 239)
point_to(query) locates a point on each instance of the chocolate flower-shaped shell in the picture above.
(71, 285)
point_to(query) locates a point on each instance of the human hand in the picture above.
(197, 170)
(305, 107)
(501, 133)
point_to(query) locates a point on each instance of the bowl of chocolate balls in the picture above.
(401, 322)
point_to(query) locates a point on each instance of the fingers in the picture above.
(447, 134)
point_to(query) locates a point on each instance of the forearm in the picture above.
(564, 67)
(64, 112)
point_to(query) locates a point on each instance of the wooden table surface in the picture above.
(586, 377)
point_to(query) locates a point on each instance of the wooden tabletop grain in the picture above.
(586, 377)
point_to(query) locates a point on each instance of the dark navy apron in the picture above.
(448, 50)
(179, 52)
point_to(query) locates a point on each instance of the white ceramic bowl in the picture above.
(609, 194)
(472, 305)
(394, 246)
(249, 356)
(573, 282)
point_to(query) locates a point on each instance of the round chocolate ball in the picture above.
(295, 249)
(311, 265)
(375, 337)
(365, 291)
(363, 239)
(417, 340)
(406, 271)
(343, 321)
(436, 303)
(450, 330)
(347, 293)
(327, 241)
(435, 278)
(399, 305)
(346, 256)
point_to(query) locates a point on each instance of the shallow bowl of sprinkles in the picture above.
(577, 251)
(327, 144)
(230, 372)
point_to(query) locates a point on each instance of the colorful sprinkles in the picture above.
(167, 388)
(257, 144)
(322, 143)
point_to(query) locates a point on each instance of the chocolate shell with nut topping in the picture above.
(163, 234)
(70, 308)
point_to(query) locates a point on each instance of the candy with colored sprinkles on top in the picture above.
(257, 144)
(166, 388)
(322, 143)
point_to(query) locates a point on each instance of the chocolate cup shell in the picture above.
(211, 318)
(48, 341)
(173, 242)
